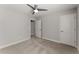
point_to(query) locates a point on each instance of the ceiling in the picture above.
(51, 7)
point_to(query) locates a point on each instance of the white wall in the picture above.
(14, 26)
(50, 25)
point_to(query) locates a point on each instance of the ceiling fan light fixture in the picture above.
(36, 11)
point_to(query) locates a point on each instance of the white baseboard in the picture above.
(13, 43)
(51, 40)
(57, 41)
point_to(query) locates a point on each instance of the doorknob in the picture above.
(61, 31)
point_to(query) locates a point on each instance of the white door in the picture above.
(38, 28)
(68, 29)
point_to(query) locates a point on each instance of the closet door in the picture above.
(68, 29)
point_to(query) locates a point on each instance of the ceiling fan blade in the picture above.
(42, 9)
(30, 6)
(35, 6)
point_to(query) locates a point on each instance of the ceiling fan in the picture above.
(36, 9)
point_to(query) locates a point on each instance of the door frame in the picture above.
(39, 29)
(75, 31)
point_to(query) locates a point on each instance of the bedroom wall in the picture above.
(50, 25)
(14, 26)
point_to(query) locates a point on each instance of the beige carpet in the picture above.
(39, 46)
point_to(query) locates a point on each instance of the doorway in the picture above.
(32, 28)
(68, 29)
(36, 28)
